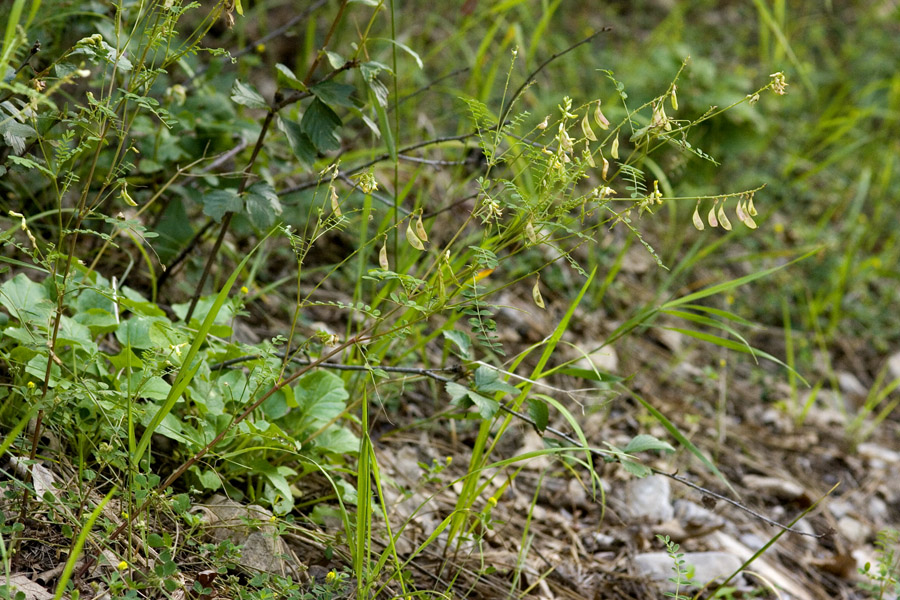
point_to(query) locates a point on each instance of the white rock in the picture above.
(893, 364)
(706, 566)
(873, 452)
(649, 499)
(854, 530)
(850, 385)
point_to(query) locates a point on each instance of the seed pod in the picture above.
(605, 169)
(536, 293)
(601, 121)
(751, 210)
(414, 241)
(420, 229)
(711, 217)
(335, 205)
(698, 222)
(614, 151)
(382, 256)
(529, 232)
(586, 129)
(723, 218)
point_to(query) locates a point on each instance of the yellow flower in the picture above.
(244, 290)
(122, 566)
(332, 575)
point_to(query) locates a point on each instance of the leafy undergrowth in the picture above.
(330, 316)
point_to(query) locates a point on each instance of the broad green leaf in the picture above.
(191, 363)
(135, 332)
(321, 124)
(337, 440)
(320, 398)
(276, 479)
(488, 380)
(335, 60)
(462, 343)
(263, 206)
(487, 407)
(208, 478)
(286, 78)
(333, 93)
(26, 301)
(636, 468)
(204, 305)
(97, 320)
(246, 95)
(275, 406)
(218, 202)
(154, 387)
(456, 391)
(72, 333)
(301, 145)
(539, 413)
(643, 442)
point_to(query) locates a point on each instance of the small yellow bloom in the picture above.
(260, 48)
(332, 575)
(448, 460)
(492, 502)
(122, 566)
(244, 290)
(30, 385)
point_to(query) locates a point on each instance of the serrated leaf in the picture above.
(644, 442)
(636, 469)
(462, 342)
(262, 203)
(333, 93)
(246, 95)
(487, 407)
(218, 202)
(301, 145)
(488, 380)
(456, 391)
(539, 413)
(321, 123)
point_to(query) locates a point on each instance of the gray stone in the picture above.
(649, 499)
(706, 566)
(251, 528)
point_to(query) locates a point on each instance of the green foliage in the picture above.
(883, 577)
(681, 570)
(135, 138)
